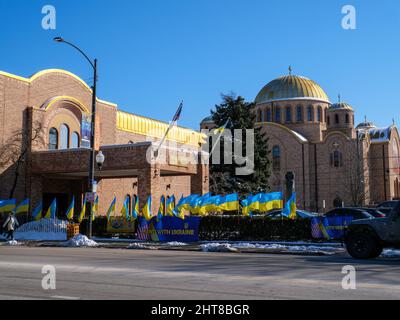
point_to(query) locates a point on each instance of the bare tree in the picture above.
(357, 180)
(14, 152)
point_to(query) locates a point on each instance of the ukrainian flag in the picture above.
(83, 211)
(194, 206)
(71, 209)
(245, 208)
(22, 207)
(95, 208)
(290, 207)
(210, 204)
(178, 211)
(229, 202)
(125, 209)
(160, 212)
(111, 209)
(7, 205)
(170, 206)
(271, 201)
(37, 213)
(254, 202)
(51, 211)
(135, 212)
(147, 209)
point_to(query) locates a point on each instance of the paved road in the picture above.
(139, 274)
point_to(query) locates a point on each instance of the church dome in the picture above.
(291, 87)
(340, 105)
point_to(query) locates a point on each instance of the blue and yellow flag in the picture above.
(246, 208)
(125, 209)
(210, 204)
(37, 213)
(83, 211)
(229, 202)
(95, 208)
(71, 209)
(271, 201)
(160, 212)
(7, 205)
(170, 206)
(147, 209)
(51, 211)
(178, 211)
(111, 209)
(136, 211)
(22, 207)
(290, 207)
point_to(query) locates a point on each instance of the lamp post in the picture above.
(92, 131)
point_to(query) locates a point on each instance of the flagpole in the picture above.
(171, 125)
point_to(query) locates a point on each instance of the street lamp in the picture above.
(92, 131)
(100, 159)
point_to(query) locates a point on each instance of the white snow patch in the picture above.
(141, 246)
(390, 253)
(79, 240)
(176, 243)
(12, 243)
(43, 230)
(218, 247)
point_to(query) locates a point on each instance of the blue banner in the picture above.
(169, 229)
(329, 228)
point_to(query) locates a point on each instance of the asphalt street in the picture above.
(93, 273)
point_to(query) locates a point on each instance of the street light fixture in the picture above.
(91, 181)
(100, 159)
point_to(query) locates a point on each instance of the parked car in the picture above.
(388, 204)
(365, 239)
(277, 214)
(355, 213)
(377, 213)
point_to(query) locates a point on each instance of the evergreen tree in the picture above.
(223, 178)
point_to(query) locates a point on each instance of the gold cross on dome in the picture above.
(290, 70)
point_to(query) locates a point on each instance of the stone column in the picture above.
(149, 183)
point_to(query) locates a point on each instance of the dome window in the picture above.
(319, 114)
(336, 119)
(268, 115)
(276, 158)
(278, 114)
(310, 113)
(347, 118)
(288, 114)
(299, 113)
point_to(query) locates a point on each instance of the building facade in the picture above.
(47, 116)
(335, 163)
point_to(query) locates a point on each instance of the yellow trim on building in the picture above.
(48, 104)
(44, 72)
(153, 128)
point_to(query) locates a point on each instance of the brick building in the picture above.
(334, 161)
(57, 104)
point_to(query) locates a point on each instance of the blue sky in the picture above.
(154, 53)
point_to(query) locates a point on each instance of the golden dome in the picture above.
(291, 87)
(340, 105)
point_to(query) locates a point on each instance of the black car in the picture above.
(388, 204)
(376, 212)
(356, 213)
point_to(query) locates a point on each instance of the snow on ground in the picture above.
(218, 247)
(79, 240)
(141, 246)
(390, 253)
(175, 244)
(43, 230)
(12, 243)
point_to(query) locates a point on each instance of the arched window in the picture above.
(336, 119)
(336, 159)
(299, 113)
(53, 139)
(328, 120)
(319, 114)
(64, 136)
(259, 115)
(269, 118)
(75, 140)
(288, 114)
(276, 158)
(278, 114)
(310, 113)
(347, 118)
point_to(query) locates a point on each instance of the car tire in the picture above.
(363, 246)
